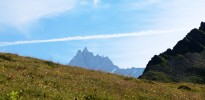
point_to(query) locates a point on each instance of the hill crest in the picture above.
(185, 62)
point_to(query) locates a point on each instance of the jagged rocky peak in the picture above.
(85, 49)
(86, 53)
(79, 52)
(193, 42)
(185, 62)
(202, 27)
(88, 60)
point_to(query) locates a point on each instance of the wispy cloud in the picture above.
(139, 4)
(105, 36)
(96, 2)
(21, 13)
(178, 13)
(181, 13)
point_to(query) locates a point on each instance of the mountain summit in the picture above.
(88, 60)
(184, 63)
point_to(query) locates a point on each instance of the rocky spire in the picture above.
(202, 27)
(85, 49)
(88, 60)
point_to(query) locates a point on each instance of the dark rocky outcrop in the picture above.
(184, 63)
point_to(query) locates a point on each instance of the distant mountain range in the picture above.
(184, 63)
(88, 60)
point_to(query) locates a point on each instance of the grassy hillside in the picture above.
(27, 78)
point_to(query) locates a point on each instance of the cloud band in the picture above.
(75, 38)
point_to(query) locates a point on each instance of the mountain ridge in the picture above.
(185, 62)
(88, 60)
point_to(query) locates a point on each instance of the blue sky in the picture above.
(130, 32)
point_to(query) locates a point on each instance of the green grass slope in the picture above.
(25, 78)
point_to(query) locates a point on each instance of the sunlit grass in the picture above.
(29, 79)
